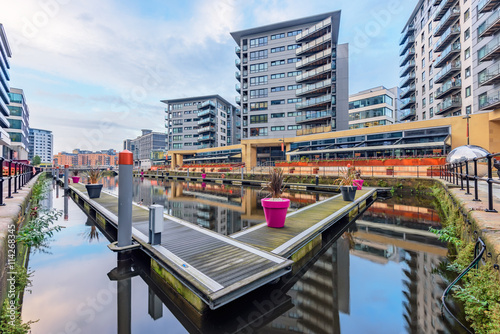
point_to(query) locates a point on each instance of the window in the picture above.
(294, 114)
(262, 54)
(429, 42)
(278, 115)
(423, 50)
(467, 91)
(278, 62)
(276, 102)
(466, 15)
(430, 56)
(277, 89)
(278, 76)
(293, 46)
(295, 100)
(467, 72)
(294, 87)
(431, 83)
(467, 34)
(468, 110)
(177, 130)
(431, 98)
(293, 60)
(187, 112)
(258, 93)
(278, 49)
(431, 112)
(255, 132)
(177, 138)
(177, 146)
(430, 69)
(467, 53)
(294, 73)
(294, 127)
(423, 89)
(258, 42)
(277, 128)
(15, 98)
(423, 62)
(371, 101)
(294, 33)
(423, 103)
(262, 67)
(256, 81)
(258, 119)
(429, 27)
(258, 106)
(278, 36)
(423, 75)
(423, 115)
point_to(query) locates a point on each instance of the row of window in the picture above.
(255, 42)
(256, 132)
(264, 105)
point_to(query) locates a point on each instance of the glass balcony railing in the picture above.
(408, 102)
(447, 87)
(487, 5)
(407, 68)
(237, 63)
(405, 92)
(442, 8)
(489, 75)
(206, 120)
(237, 74)
(490, 25)
(206, 112)
(314, 87)
(306, 32)
(314, 102)
(238, 99)
(308, 60)
(490, 50)
(447, 37)
(237, 49)
(447, 53)
(313, 116)
(312, 73)
(449, 104)
(409, 114)
(447, 70)
(406, 45)
(447, 20)
(312, 44)
(407, 79)
(206, 137)
(207, 129)
(407, 56)
(237, 87)
(408, 31)
(207, 103)
(490, 99)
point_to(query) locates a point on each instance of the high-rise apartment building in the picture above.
(19, 124)
(5, 54)
(201, 122)
(373, 107)
(41, 143)
(145, 147)
(437, 59)
(292, 77)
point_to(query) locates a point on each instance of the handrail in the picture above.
(18, 174)
(452, 174)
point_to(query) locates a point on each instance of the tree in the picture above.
(36, 160)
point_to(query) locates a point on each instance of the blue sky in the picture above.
(94, 71)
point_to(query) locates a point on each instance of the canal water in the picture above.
(381, 276)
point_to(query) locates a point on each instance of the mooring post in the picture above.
(242, 173)
(125, 169)
(66, 184)
(317, 179)
(155, 224)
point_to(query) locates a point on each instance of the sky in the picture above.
(94, 71)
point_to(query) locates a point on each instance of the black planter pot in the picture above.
(94, 190)
(348, 193)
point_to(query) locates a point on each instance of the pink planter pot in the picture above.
(275, 211)
(358, 184)
(203, 175)
(75, 179)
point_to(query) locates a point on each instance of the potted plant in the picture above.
(315, 170)
(389, 171)
(291, 170)
(203, 174)
(93, 177)
(275, 208)
(358, 182)
(75, 178)
(345, 183)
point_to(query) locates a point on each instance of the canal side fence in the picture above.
(14, 176)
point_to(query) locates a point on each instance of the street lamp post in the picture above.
(467, 117)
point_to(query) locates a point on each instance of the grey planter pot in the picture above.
(94, 190)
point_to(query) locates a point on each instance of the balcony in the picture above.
(317, 129)
(490, 100)
(442, 9)
(409, 43)
(436, 2)
(407, 32)
(407, 56)
(206, 104)
(490, 75)
(237, 63)
(318, 73)
(448, 71)
(237, 74)
(490, 51)
(206, 137)
(449, 35)
(206, 112)
(314, 46)
(447, 88)
(451, 16)
(409, 102)
(408, 115)
(314, 116)
(238, 124)
(207, 129)
(318, 59)
(320, 87)
(206, 120)
(490, 26)
(487, 5)
(448, 105)
(407, 68)
(447, 54)
(237, 50)
(237, 87)
(315, 102)
(317, 29)
(407, 80)
(407, 92)
(238, 100)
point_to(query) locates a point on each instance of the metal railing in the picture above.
(454, 173)
(18, 174)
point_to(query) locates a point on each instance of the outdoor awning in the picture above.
(372, 148)
(209, 158)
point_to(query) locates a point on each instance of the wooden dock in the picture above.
(208, 268)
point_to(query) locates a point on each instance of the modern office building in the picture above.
(373, 107)
(292, 78)
(145, 147)
(5, 54)
(440, 57)
(201, 122)
(41, 143)
(19, 124)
